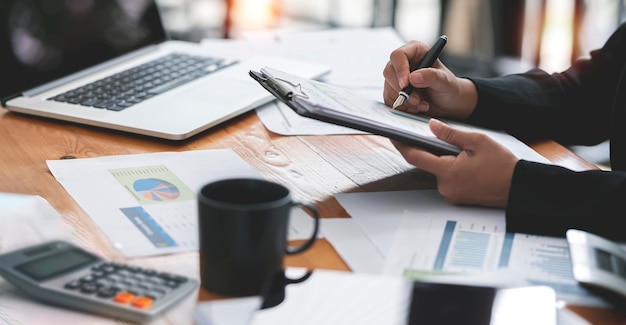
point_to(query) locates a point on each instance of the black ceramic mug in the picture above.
(243, 226)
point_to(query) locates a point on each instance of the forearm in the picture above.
(571, 107)
(536, 105)
(548, 200)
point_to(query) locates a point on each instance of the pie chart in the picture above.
(156, 189)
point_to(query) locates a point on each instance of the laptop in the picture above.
(110, 64)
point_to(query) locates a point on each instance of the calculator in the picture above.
(64, 274)
(599, 265)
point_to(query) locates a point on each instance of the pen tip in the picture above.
(399, 101)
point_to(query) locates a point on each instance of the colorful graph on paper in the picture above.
(163, 213)
(152, 184)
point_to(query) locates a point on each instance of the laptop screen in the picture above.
(43, 40)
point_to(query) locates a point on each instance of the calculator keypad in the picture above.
(126, 285)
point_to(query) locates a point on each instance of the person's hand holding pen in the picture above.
(479, 175)
(441, 93)
(427, 61)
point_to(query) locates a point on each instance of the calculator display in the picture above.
(56, 264)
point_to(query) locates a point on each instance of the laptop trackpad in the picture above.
(224, 92)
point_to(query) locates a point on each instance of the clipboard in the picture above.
(338, 105)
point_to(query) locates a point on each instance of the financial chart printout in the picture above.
(449, 245)
(146, 203)
(163, 211)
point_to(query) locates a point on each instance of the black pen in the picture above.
(428, 60)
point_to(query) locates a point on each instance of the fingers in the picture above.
(389, 93)
(398, 75)
(421, 159)
(462, 139)
(480, 175)
(467, 141)
(424, 78)
(398, 68)
(416, 103)
(400, 64)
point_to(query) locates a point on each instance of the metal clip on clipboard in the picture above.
(285, 89)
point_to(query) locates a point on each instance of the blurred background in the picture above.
(491, 37)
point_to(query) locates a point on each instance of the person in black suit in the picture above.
(583, 105)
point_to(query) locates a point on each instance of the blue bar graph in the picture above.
(464, 249)
(469, 250)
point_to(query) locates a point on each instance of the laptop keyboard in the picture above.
(132, 86)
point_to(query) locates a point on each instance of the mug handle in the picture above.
(274, 292)
(316, 216)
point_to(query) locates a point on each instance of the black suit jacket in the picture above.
(583, 105)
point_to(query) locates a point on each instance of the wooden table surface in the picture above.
(313, 167)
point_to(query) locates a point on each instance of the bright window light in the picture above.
(558, 34)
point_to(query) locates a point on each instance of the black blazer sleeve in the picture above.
(583, 105)
(548, 200)
(572, 107)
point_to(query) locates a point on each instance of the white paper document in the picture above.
(437, 241)
(419, 231)
(353, 245)
(146, 203)
(379, 213)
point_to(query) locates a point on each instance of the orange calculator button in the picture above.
(124, 297)
(142, 302)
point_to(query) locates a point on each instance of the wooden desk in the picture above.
(314, 167)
